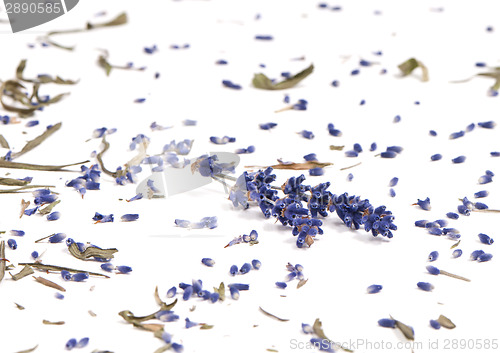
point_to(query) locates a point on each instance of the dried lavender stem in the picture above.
(454, 276)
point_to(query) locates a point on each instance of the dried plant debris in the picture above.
(48, 283)
(445, 322)
(263, 82)
(103, 62)
(91, 252)
(406, 330)
(46, 268)
(57, 323)
(411, 64)
(294, 166)
(26, 271)
(37, 141)
(2, 260)
(121, 19)
(272, 315)
(29, 350)
(40, 78)
(29, 166)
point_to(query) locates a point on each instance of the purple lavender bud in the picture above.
(463, 210)
(310, 157)
(495, 154)
(245, 268)
(373, 147)
(484, 257)
(388, 154)
(487, 124)
(396, 119)
(435, 231)
(124, 269)
(214, 297)
(233, 270)
(12, 244)
(79, 277)
(459, 159)
(171, 292)
(457, 253)
(433, 256)
(66, 275)
(374, 288)
(355, 72)
(108, 267)
(307, 134)
(475, 254)
(456, 135)
(35, 255)
(436, 157)
(393, 182)
(188, 292)
(357, 147)
(316, 171)
(166, 337)
(485, 239)
(268, 126)
(239, 286)
(57, 238)
(54, 216)
(480, 206)
(281, 285)
(452, 215)
(190, 323)
(235, 293)
(421, 223)
(177, 347)
(470, 127)
(130, 217)
(485, 179)
(306, 328)
(424, 204)
(351, 153)
(83, 342)
(256, 264)
(208, 262)
(390, 323)
(59, 296)
(71, 344)
(425, 286)
(17, 233)
(435, 324)
(433, 270)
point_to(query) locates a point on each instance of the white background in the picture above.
(342, 263)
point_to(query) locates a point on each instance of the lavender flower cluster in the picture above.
(303, 205)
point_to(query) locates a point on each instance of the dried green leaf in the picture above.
(455, 245)
(263, 82)
(3, 142)
(19, 306)
(129, 316)
(336, 148)
(206, 327)
(91, 251)
(13, 182)
(29, 350)
(409, 65)
(48, 283)
(47, 322)
(26, 271)
(37, 141)
(117, 21)
(405, 329)
(41, 267)
(272, 315)
(103, 62)
(2, 259)
(47, 209)
(42, 78)
(163, 348)
(301, 283)
(445, 322)
(222, 291)
(28, 166)
(12, 89)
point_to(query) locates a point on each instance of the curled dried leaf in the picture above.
(272, 315)
(90, 252)
(37, 141)
(263, 82)
(48, 283)
(47, 322)
(26, 271)
(411, 64)
(41, 267)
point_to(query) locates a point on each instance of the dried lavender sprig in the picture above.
(435, 271)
